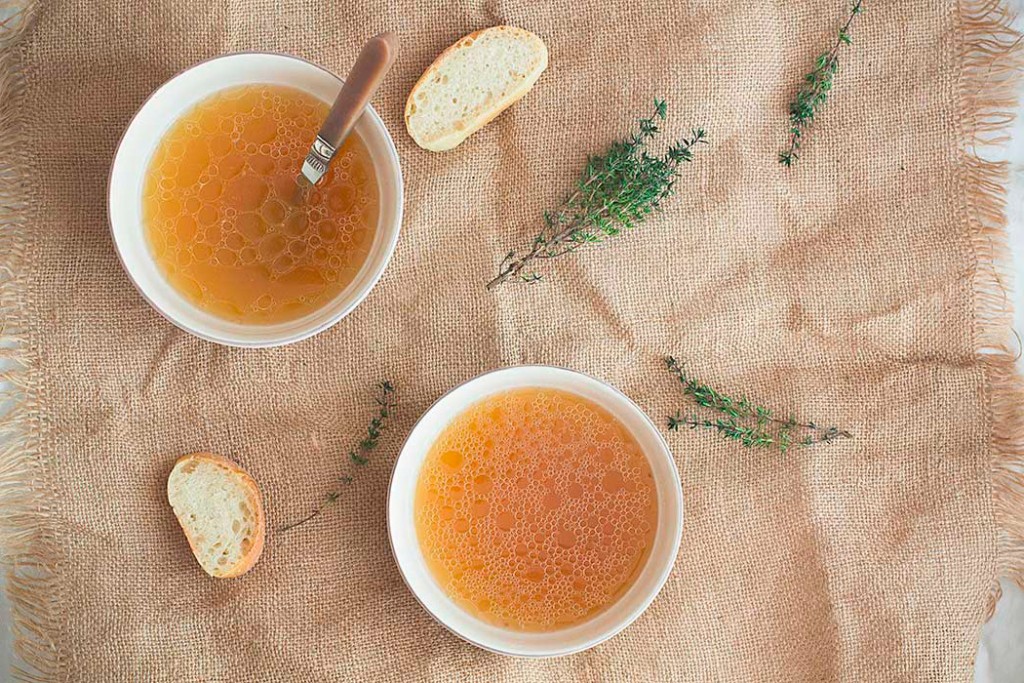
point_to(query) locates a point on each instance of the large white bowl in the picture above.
(151, 122)
(413, 567)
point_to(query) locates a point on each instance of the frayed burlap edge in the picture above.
(992, 60)
(27, 542)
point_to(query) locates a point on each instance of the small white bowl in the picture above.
(406, 548)
(140, 139)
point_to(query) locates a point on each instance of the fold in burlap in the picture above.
(865, 287)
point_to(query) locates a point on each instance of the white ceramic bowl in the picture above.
(140, 140)
(406, 548)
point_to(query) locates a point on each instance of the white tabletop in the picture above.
(1000, 653)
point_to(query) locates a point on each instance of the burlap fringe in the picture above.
(27, 545)
(993, 61)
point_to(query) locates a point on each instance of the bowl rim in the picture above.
(304, 333)
(663, 574)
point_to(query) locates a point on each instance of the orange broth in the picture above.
(220, 214)
(535, 509)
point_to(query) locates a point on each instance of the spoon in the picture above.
(372, 64)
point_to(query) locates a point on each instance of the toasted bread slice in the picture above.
(471, 82)
(221, 512)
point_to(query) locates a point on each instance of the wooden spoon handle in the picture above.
(367, 73)
(371, 66)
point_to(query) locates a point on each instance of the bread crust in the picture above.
(452, 140)
(254, 499)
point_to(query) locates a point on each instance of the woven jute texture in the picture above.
(861, 288)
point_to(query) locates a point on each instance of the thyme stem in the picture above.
(750, 424)
(614, 192)
(812, 96)
(359, 455)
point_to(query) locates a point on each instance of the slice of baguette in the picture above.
(220, 510)
(471, 82)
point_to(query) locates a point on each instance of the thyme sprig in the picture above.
(614, 192)
(814, 93)
(751, 425)
(359, 455)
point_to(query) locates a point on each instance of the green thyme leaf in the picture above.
(753, 426)
(814, 93)
(385, 402)
(615, 192)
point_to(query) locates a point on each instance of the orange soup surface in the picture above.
(535, 509)
(220, 213)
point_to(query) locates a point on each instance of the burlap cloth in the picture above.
(860, 288)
